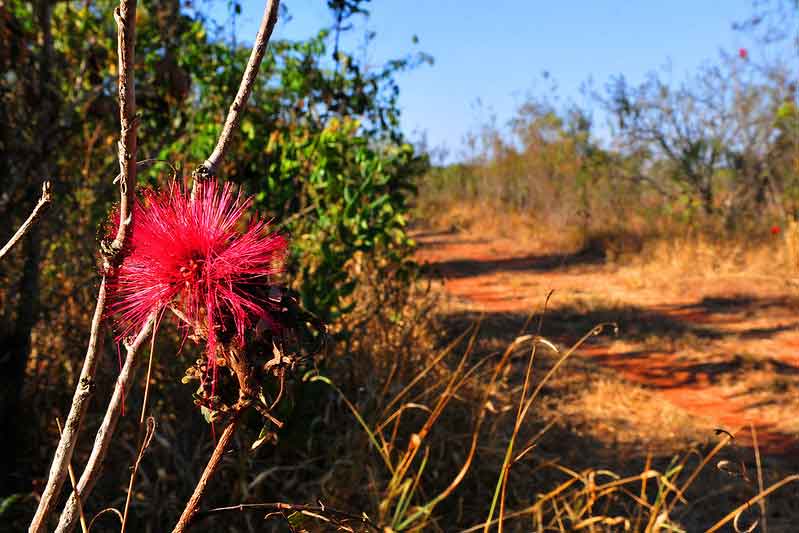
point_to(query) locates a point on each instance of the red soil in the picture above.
(712, 346)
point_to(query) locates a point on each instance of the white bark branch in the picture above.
(125, 16)
(93, 469)
(80, 401)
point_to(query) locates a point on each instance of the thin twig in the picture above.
(211, 165)
(149, 373)
(149, 431)
(148, 437)
(102, 441)
(147, 163)
(125, 16)
(760, 485)
(294, 508)
(44, 200)
(106, 511)
(74, 482)
(193, 504)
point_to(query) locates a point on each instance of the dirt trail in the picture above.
(722, 348)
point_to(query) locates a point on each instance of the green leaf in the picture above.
(7, 503)
(297, 521)
(248, 128)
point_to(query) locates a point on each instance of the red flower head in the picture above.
(743, 53)
(775, 230)
(200, 257)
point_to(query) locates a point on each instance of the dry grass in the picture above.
(629, 417)
(483, 219)
(651, 251)
(770, 261)
(410, 419)
(603, 424)
(415, 430)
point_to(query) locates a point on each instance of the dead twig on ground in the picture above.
(321, 512)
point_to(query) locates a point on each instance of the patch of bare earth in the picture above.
(721, 349)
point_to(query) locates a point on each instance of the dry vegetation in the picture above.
(598, 418)
(420, 395)
(467, 397)
(424, 390)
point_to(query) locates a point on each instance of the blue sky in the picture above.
(495, 53)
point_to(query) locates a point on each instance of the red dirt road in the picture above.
(724, 348)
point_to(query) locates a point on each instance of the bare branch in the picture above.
(44, 200)
(80, 401)
(213, 463)
(83, 526)
(211, 165)
(125, 16)
(93, 469)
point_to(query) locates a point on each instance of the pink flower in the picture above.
(201, 258)
(743, 53)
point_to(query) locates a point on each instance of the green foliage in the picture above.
(352, 204)
(320, 148)
(551, 168)
(7, 503)
(320, 144)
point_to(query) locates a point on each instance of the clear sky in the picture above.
(495, 52)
